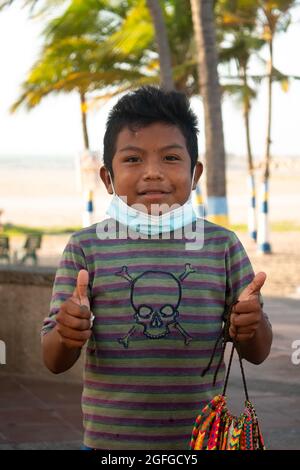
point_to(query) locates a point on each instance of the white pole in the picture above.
(263, 236)
(252, 228)
(89, 209)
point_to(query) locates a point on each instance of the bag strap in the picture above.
(235, 345)
(225, 337)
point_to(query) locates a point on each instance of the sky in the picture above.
(54, 127)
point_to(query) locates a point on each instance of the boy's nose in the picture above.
(153, 171)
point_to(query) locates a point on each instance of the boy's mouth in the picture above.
(153, 191)
(153, 195)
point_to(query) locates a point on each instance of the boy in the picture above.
(157, 306)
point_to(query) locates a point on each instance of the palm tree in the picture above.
(243, 45)
(136, 32)
(205, 37)
(236, 31)
(274, 16)
(77, 56)
(166, 78)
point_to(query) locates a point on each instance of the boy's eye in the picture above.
(132, 159)
(171, 157)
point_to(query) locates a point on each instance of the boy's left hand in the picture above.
(247, 314)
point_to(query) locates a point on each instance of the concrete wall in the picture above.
(25, 294)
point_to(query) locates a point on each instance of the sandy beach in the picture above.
(282, 266)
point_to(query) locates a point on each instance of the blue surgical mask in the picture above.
(149, 224)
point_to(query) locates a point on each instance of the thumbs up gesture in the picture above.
(247, 314)
(74, 319)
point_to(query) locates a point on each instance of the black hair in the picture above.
(145, 106)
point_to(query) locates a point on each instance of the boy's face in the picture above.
(152, 166)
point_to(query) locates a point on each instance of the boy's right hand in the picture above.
(74, 316)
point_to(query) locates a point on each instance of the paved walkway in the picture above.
(36, 414)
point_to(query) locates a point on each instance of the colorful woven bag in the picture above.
(216, 428)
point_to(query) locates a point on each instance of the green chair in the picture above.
(4, 248)
(32, 244)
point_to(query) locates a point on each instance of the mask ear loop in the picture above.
(194, 171)
(122, 198)
(111, 182)
(191, 190)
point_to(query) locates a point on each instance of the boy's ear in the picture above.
(105, 176)
(198, 173)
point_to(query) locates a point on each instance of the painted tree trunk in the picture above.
(252, 226)
(263, 235)
(264, 245)
(203, 21)
(87, 215)
(252, 223)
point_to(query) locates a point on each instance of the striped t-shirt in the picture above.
(158, 311)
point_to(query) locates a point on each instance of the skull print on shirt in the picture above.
(155, 319)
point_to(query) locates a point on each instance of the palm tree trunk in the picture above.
(264, 245)
(166, 78)
(87, 216)
(203, 21)
(84, 121)
(247, 125)
(266, 173)
(252, 226)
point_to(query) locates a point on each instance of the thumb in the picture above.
(81, 291)
(254, 287)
